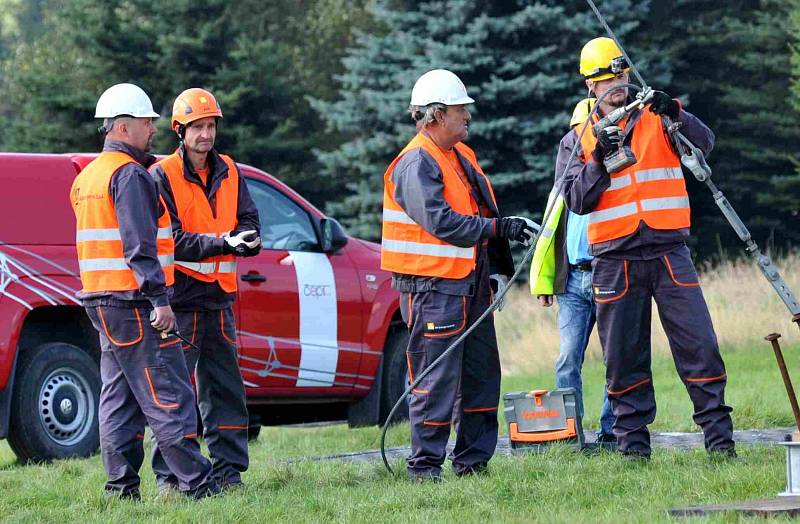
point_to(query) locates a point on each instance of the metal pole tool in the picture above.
(787, 381)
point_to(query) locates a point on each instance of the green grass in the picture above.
(557, 486)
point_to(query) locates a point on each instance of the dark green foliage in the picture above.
(732, 59)
(316, 91)
(519, 61)
(261, 60)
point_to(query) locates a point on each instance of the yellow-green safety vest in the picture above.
(543, 266)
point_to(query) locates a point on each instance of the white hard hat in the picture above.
(439, 86)
(124, 99)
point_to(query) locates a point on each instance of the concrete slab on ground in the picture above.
(659, 440)
(788, 506)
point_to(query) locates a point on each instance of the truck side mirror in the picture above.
(333, 236)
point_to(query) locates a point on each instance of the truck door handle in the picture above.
(254, 276)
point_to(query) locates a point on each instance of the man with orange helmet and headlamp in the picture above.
(214, 220)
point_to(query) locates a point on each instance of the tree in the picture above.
(519, 61)
(260, 59)
(733, 68)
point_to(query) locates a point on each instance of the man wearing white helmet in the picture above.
(125, 255)
(446, 245)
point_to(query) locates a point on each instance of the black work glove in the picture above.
(252, 251)
(242, 244)
(607, 140)
(663, 104)
(513, 228)
(241, 250)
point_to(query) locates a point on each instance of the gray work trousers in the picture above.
(463, 389)
(624, 291)
(145, 380)
(220, 393)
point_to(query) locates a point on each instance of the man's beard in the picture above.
(612, 99)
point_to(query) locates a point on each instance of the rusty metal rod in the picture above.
(773, 338)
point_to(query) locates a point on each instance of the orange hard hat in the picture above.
(194, 104)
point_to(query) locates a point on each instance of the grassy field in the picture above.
(557, 486)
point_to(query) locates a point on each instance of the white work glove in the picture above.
(240, 245)
(499, 283)
(530, 232)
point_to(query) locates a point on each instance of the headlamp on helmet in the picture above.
(618, 65)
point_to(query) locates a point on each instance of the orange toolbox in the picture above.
(541, 417)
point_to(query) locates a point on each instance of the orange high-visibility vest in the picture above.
(196, 216)
(651, 190)
(405, 246)
(98, 240)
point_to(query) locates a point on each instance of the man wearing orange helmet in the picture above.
(214, 220)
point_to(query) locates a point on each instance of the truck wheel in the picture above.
(395, 374)
(54, 407)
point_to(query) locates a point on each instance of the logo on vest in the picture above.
(598, 291)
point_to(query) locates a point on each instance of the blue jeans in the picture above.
(576, 318)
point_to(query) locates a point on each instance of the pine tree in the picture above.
(519, 61)
(260, 59)
(733, 69)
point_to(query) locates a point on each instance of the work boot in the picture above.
(722, 454)
(209, 488)
(131, 494)
(607, 442)
(604, 442)
(479, 470)
(423, 477)
(231, 483)
(636, 456)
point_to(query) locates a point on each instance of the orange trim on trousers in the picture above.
(709, 379)
(621, 391)
(153, 393)
(121, 344)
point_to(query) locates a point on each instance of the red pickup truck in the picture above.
(319, 329)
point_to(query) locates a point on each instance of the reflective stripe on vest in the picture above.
(208, 268)
(433, 250)
(116, 264)
(405, 246)
(197, 217)
(390, 215)
(98, 241)
(652, 190)
(114, 234)
(543, 266)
